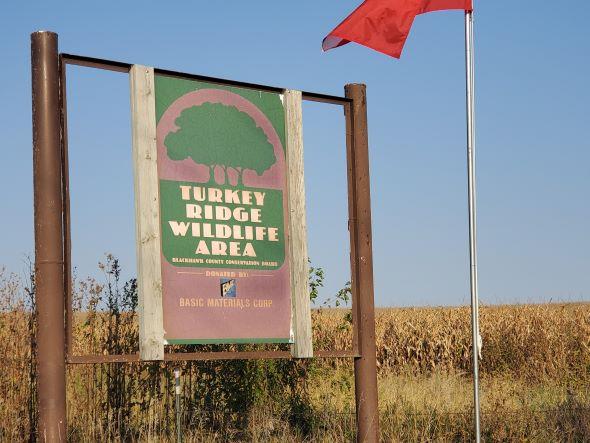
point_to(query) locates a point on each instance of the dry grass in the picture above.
(535, 377)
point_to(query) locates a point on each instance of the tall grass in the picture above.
(535, 375)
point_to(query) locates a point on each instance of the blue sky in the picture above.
(533, 148)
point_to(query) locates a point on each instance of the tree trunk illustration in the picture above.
(240, 179)
(212, 174)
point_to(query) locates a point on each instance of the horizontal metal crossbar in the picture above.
(220, 355)
(112, 65)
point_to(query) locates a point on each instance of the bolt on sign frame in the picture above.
(53, 239)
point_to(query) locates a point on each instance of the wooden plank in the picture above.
(147, 213)
(301, 310)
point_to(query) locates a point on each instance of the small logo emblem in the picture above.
(228, 287)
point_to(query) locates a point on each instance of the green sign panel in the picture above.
(223, 213)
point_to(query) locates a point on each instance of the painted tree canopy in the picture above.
(204, 137)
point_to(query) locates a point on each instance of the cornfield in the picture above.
(535, 370)
(530, 341)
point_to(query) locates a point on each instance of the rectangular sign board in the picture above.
(216, 192)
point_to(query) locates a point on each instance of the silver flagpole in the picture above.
(472, 216)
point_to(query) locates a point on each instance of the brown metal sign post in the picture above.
(361, 262)
(49, 263)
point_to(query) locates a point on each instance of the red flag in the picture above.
(384, 25)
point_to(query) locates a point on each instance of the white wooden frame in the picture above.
(147, 213)
(301, 310)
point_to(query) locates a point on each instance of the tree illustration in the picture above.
(214, 134)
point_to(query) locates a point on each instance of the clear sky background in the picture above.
(533, 135)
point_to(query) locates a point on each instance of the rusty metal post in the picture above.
(49, 266)
(361, 261)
